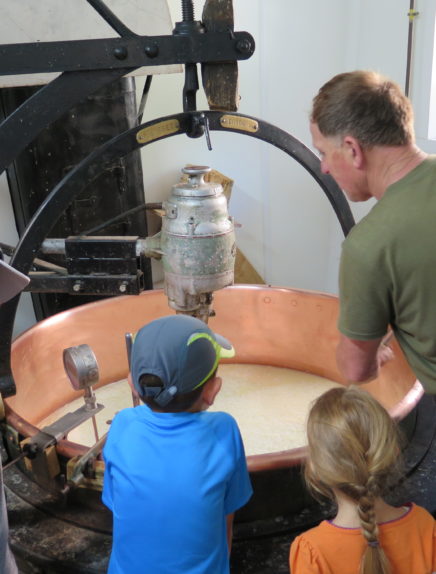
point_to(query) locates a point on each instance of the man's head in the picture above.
(172, 358)
(365, 105)
(353, 114)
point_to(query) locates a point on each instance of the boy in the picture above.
(175, 474)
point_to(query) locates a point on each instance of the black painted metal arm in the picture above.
(132, 52)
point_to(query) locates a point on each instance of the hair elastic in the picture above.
(374, 543)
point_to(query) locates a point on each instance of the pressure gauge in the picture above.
(81, 366)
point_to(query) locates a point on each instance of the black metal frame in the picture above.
(88, 65)
(190, 43)
(135, 52)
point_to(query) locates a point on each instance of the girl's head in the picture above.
(353, 450)
(353, 444)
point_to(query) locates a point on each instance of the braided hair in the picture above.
(354, 449)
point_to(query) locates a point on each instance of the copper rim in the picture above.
(267, 325)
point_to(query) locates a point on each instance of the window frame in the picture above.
(423, 75)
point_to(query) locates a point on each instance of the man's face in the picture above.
(338, 159)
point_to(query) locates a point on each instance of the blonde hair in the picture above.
(354, 448)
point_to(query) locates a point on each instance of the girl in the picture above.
(353, 457)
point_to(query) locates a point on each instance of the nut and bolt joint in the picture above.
(243, 46)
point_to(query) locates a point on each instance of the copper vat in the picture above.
(271, 326)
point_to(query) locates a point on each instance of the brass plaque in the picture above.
(239, 123)
(157, 131)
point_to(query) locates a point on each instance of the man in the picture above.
(362, 125)
(11, 283)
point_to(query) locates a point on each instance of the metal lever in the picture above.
(30, 450)
(200, 126)
(78, 474)
(129, 344)
(205, 123)
(51, 434)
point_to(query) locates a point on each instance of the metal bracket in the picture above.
(39, 445)
(52, 433)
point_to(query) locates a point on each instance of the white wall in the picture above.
(52, 20)
(289, 231)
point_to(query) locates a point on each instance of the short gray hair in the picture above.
(365, 105)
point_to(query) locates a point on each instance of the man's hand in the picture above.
(359, 361)
(384, 352)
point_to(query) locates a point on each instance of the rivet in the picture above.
(151, 50)
(120, 53)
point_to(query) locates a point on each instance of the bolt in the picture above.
(188, 10)
(243, 46)
(123, 287)
(77, 286)
(120, 53)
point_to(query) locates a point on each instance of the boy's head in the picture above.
(172, 358)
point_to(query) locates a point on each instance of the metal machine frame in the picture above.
(86, 66)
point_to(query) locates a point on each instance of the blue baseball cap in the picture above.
(179, 349)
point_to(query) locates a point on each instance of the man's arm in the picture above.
(359, 361)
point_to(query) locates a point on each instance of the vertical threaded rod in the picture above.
(188, 10)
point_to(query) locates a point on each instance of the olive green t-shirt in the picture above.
(388, 271)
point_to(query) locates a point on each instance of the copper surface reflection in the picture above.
(267, 325)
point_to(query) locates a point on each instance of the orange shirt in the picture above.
(409, 543)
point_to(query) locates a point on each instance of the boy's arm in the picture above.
(229, 519)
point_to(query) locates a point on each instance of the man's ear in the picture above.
(211, 389)
(354, 150)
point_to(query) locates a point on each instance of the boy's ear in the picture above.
(211, 389)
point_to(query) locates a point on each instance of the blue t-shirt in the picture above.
(170, 480)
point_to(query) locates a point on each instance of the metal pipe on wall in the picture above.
(412, 15)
